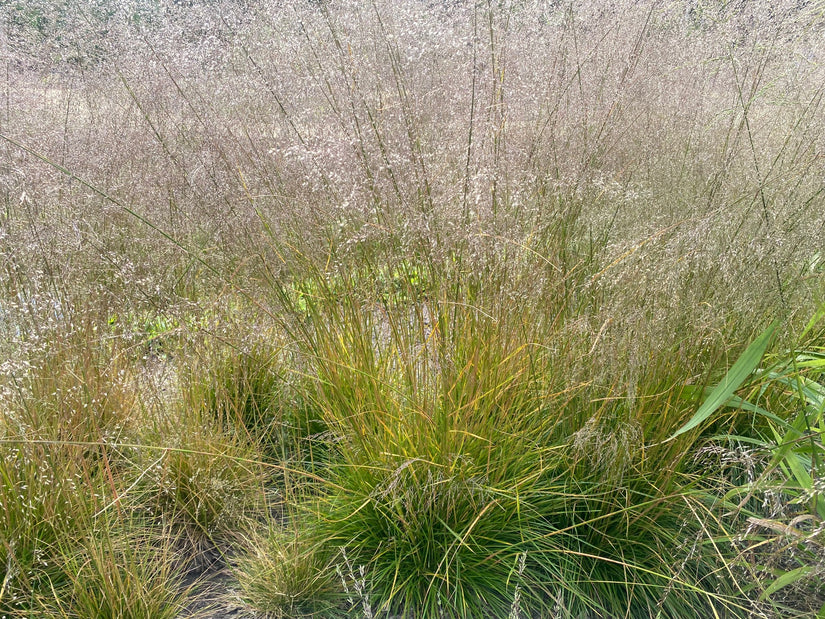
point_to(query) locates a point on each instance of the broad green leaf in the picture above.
(787, 446)
(738, 438)
(811, 359)
(800, 473)
(808, 390)
(786, 579)
(740, 371)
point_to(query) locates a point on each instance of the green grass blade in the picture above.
(743, 367)
(786, 579)
(819, 315)
(741, 404)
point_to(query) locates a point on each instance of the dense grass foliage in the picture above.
(412, 309)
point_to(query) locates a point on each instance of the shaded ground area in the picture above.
(215, 594)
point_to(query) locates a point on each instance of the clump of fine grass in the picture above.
(238, 388)
(461, 450)
(65, 542)
(78, 387)
(38, 507)
(283, 575)
(56, 462)
(118, 572)
(67, 548)
(196, 477)
(510, 245)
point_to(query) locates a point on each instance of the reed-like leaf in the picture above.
(734, 379)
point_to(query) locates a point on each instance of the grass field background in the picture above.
(412, 309)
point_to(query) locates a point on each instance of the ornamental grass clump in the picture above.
(61, 419)
(39, 497)
(281, 573)
(464, 455)
(197, 478)
(117, 571)
(237, 388)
